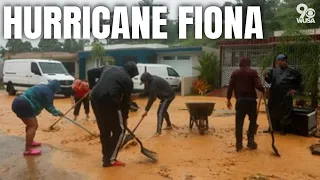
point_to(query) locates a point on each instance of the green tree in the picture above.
(3, 51)
(18, 46)
(47, 45)
(73, 46)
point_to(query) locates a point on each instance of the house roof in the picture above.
(270, 41)
(43, 55)
(85, 54)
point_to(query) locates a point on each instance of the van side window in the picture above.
(172, 72)
(35, 69)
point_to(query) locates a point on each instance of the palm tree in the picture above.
(98, 51)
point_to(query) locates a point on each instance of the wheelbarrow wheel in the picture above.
(191, 122)
(201, 127)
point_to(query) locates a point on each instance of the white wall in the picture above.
(90, 64)
(184, 67)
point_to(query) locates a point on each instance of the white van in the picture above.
(162, 70)
(20, 74)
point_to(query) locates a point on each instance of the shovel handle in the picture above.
(78, 125)
(130, 132)
(138, 124)
(70, 109)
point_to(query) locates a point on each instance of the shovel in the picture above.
(51, 127)
(270, 126)
(79, 126)
(258, 110)
(129, 137)
(150, 154)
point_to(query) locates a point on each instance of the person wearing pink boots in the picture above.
(29, 105)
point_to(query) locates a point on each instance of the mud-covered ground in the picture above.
(184, 154)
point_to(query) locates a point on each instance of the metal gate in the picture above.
(230, 57)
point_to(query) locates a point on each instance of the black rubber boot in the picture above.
(239, 147)
(251, 143)
(283, 130)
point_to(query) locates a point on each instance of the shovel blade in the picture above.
(275, 150)
(150, 154)
(126, 140)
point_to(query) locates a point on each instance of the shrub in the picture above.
(200, 86)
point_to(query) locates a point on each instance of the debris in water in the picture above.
(164, 172)
(51, 129)
(131, 143)
(189, 177)
(81, 139)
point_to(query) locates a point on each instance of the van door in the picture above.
(17, 73)
(136, 79)
(173, 77)
(35, 77)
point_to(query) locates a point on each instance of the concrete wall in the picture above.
(186, 85)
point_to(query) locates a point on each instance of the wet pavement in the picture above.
(14, 166)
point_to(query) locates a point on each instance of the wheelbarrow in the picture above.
(199, 112)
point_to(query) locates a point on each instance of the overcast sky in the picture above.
(172, 6)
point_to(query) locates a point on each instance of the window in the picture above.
(168, 57)
(52, 68)
(183, 58)
(35, 69)
(172, 72)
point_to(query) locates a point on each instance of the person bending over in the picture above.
(110, 94)
(29, 105)
(158, 88)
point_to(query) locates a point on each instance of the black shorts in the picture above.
(22, 108)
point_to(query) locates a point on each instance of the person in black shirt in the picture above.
(111, 93)
(285, 81)
(158, 88)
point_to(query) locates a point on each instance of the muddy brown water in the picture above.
(14, 166)
(184, 154)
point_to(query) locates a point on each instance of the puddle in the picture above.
(14, 166)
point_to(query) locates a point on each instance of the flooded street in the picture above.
(14, 166)
(184, 154)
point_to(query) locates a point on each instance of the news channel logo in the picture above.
(306, 14)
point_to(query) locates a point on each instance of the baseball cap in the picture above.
(282, 57)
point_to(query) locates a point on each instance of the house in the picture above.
(182, 59)
(257, 50)
(69, 60)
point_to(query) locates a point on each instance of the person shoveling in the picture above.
(29, 105)
(158, 88)
(111, 98)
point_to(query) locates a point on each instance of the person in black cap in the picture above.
(285, 81)
(244, 82)
(158, 87)
(111, 93)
